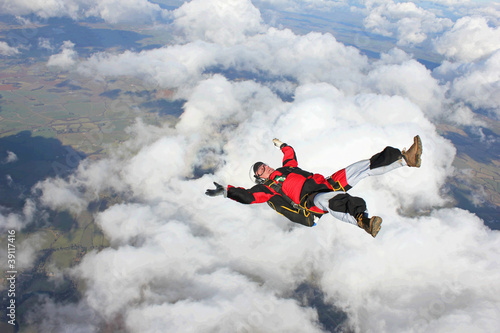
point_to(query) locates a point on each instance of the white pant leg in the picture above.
(360, 170)
(321, 201)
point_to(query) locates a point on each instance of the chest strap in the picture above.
(277, 187)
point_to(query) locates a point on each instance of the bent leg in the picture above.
(341, 205)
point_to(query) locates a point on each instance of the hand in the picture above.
(219, 189)
(277, 143)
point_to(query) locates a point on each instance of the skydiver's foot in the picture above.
(370, 225)
(412, 155)
(376, 224)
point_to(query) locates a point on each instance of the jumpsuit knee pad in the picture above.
(346, 203)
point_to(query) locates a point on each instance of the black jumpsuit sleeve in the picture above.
(257, 194)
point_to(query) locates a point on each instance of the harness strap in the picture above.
(277, 187)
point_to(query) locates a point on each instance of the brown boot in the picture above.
(412, 155)
(370, 225)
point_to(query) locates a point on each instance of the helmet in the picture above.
(252, 173)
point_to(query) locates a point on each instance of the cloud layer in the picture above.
(181, 261)
(111, 11)
(7, 50)
(66, 58)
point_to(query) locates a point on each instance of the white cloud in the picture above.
(222, 299)
(476, 84)
(66, 58)
(45, 43)
(10, 158)
(112, 11)
(17, 221)
(59, 194)
(7, 50)
(169, 67)
(440, 297)
(406, 21)
(250, 309)
(310, 58)
(27, 250)
(53, 316)
(299, 6)
(391, 78)
(150, 170)
(115, 11)
(480, 86)
(470, 39)
(489, 10)
(222, 22)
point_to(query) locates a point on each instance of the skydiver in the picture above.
(304, 197)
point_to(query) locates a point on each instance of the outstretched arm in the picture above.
(289, 157)
(257, 194)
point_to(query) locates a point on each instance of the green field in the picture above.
(72, 109)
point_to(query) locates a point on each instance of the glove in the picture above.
(219, 189)
(278, 143)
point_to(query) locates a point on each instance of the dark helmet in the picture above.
(253, 173)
